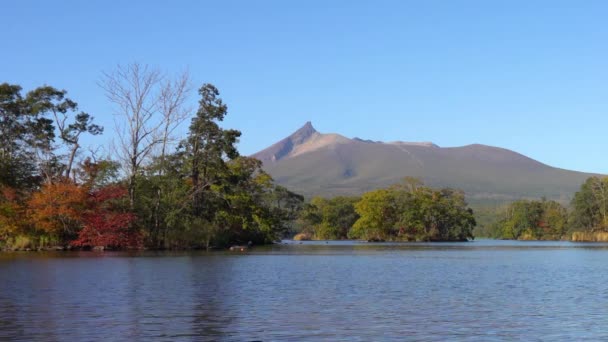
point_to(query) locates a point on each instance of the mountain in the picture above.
(314, 163)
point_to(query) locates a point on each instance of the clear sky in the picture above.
(531, 76)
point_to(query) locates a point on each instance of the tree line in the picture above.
(408, 211)
(156, 190)
(549, 220)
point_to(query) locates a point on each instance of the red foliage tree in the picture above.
(107, 223)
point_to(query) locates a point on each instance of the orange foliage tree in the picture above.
(57, 209)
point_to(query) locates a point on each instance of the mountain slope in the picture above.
(313, 163)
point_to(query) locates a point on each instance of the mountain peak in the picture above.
(285, 146)
(303, 133)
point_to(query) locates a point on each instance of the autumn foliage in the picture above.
(76, 215)
(204, 194)
(57, 209)
(106, 224)
(11, 212)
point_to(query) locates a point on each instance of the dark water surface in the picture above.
(482, 290)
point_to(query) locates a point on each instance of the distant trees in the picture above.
(590, 206)
(378, 215)
(549, 220)
(329, 219)
(413, 212)
(409, 211)
(533, 220)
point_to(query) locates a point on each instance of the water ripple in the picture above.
(482, 291)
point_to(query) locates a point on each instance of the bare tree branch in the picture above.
(134, 91)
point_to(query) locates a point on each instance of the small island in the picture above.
(408, 211)
(156, 190)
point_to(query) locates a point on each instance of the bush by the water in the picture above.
(590, 236)
(302, 237)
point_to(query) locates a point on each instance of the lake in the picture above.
(350, 291)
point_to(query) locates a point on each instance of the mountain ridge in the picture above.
(315, 163)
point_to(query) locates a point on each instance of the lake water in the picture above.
(481, 290)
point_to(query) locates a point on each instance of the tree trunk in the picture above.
(71, 160)
(156, 233)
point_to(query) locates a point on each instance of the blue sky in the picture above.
(531, 76)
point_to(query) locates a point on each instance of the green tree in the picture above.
(412, 211)
(535, 220)
(378, 213)
(27, 134)
(554, 220)
(590, 206)
(207, 147)
(287, 206)
(70, 132)
(330, 219)
(211, 197)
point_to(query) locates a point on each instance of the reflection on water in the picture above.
(482, 290)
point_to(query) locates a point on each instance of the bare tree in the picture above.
(150, 106)
(172, 102)
(134, 90)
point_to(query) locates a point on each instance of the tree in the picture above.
(16, 164)
(107, 222)
(12, 214)
(536, 220)
(590, 205)
(378, 215)
(208, 146)
(96, 173)
(27, 150)
(411, 211)
(133, 89)
(286, 205)
(172, 106)
(554, 220)
(330, 219)
(172, 98)
(242, 206)
(56, 210)
(27, 134)
(70, 133)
